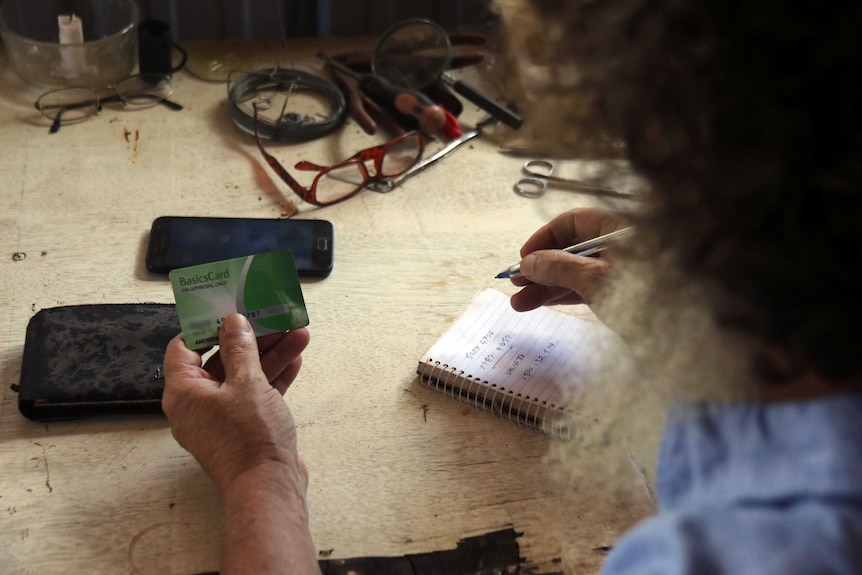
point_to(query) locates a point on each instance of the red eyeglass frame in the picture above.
(375, 153)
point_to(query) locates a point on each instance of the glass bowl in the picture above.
(31, 31)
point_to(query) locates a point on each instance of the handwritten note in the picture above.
(537, 357)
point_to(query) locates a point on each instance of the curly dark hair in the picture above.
(746, 120)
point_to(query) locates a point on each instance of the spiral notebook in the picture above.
(522, 366)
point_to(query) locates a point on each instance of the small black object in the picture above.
(495, 552)
(85, 360)
(156, 49)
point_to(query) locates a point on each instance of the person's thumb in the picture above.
(556, 268)
(238, 349)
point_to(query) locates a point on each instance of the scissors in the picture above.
(540, 176)
(384, 185)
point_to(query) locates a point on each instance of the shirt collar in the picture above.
(722, 452)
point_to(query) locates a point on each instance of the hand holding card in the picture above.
(264, 288)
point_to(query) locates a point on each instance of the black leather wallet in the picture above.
(85, 360)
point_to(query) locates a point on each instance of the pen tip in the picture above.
(503, 275)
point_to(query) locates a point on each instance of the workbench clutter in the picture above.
(404, 83)
(416, 53)
(54, 43)
(83, 54)
(402, 88)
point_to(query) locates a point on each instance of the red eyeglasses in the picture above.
(344, 180)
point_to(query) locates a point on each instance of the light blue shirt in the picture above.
(751, 488)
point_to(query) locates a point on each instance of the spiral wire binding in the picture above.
(519, 409)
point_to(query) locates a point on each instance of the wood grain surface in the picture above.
(395, 468)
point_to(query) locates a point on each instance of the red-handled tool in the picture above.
(413, 107)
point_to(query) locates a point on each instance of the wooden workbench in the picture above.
(395, 468)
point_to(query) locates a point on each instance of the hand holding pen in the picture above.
(550, 275)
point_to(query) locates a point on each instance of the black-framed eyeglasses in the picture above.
(76, 104)
(343, 180)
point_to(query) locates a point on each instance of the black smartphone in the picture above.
(180, 241)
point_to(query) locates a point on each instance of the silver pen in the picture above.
(586, 248)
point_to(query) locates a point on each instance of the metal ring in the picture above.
(292, 129)
(381, 186)
(538, 167)
(530, 187)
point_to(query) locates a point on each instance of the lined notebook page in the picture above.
(520, 365)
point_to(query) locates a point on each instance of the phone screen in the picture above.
(178, 241)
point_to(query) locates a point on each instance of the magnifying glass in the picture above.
(414, 53)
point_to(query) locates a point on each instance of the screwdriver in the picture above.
(363, 109)
(409, 105)
(357, 101)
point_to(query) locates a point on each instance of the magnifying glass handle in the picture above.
(484, 101)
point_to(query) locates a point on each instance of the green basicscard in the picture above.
(264, 288)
